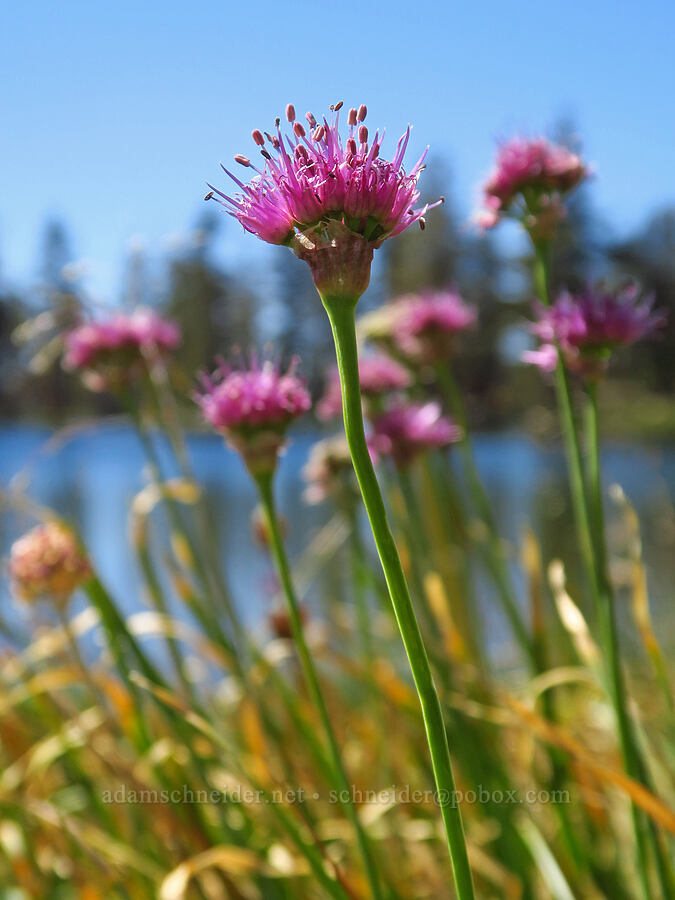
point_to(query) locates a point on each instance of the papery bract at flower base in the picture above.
(113, 352)
(378, 375)
(253, 407)
(48, 563)
(407, 429)
(333, 201)
(530, 179)
(589, 326)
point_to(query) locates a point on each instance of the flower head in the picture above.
(534, 174)
(408, 429)
(425, 324)
(419, 328)
(328, 469)
(114, 351)
(48, 562)
(378, 375)
(253, 407)
(588, 326)
(333, 199)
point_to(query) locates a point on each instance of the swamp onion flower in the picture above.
(589, 326)
(332, 198)
(48, 563)
(117, 350)
(529, 180)
(252, 407)
(408, 429)
(420, 328)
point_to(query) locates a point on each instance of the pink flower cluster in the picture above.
(536, 171)
(116, 349)
(378, 375)
(48, 562)
(589, 325)
(407, 429)
(253, 407)
(313, 176)
(420, 328)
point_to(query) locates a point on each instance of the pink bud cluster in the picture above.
(253, 407)
(420, 328)
(408, 429)
(530, 178)
(589, 325)
(48, 563)
(115, 350)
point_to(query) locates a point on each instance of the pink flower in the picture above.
(426, 323)
(407, 429)
(420, 328)
(48, 562)
(253, 407)
(378, 375)
(117, 349)
(319, 192)
(538, 173)
(545, 357)
(588, 326)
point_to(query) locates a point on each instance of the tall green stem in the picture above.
(265, 487)
(341, 314)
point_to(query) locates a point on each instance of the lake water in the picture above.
(91, 474)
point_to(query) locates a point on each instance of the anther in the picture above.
(310, 118)
(290, 112)
(338, 106)
(351, 146)
(265, 154)
(258, 137)
(319, 133)
(351, 118)
(423, 224)
(363, 134)
(363, 112)
(299, 130)
(242, 160)
(209, 195)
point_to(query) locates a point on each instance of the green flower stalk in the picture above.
(341, 315)
(334, 202)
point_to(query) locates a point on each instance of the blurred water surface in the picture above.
(91, 475)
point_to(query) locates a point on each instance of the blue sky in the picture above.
(115, 114)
